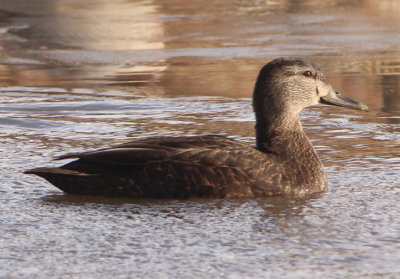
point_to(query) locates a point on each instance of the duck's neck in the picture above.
(281, 135)
(285, 138)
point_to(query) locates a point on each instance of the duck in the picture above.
(282, 162)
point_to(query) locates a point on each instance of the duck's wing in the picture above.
(206, 150)
(127, 156)
(204, 166)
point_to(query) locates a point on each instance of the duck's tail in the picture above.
(45, 172)
(69, 181)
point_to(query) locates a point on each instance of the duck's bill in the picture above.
(337, 99)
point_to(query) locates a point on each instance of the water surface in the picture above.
(83, 75)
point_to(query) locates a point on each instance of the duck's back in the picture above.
(284, 162)
(170, 167)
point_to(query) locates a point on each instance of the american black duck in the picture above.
(283, 162)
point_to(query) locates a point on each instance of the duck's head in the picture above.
(287, 85)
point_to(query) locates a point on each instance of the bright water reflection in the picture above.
(82, 75)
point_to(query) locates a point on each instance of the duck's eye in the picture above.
(307, 74)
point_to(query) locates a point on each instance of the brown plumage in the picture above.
(282, 163)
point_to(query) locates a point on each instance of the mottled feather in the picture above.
(283, 162)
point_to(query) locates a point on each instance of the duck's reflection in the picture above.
(391, 95)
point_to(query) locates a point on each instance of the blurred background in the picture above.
(207, 47)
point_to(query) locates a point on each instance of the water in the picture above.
(83, 75)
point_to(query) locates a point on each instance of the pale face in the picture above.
(306, 85)
(287, 85)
